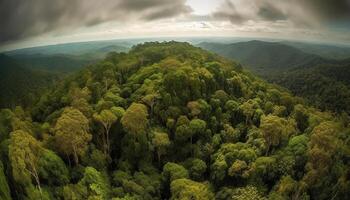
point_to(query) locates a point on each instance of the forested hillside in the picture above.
(323, 82)
(20, 85)
(25, 73)
(172, 121)
(59, 64)
(325, 86)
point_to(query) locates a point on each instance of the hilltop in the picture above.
(172, 121)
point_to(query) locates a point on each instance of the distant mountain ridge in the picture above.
(77, 48)
(323, 81)
(266, 57)
(323, 50)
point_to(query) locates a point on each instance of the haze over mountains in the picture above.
(266, 57)
(77, 48)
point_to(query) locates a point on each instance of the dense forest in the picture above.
(20, 85)
(325, 86)
(172, 121)
(299, 67)
(26, 73)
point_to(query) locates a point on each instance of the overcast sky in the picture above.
(39, 22)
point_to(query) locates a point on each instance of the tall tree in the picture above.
(24, 154)
(135, 119)
(107, 118)
(150, 100)
(161, 142)
(273, 130)
(79, 99)
(71, 133)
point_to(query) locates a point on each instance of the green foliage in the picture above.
(273, 129)
(186, 189)
(71, 133)
(161, 142)
(197, 169)
(172, 121)
(237, 168)
(20, 85)
(92, 186)
(4, 188)
(173, 171)
(246, 193)
(135, 119)
(322, 81)
(52, 169)
(24, 155)
(107, 118)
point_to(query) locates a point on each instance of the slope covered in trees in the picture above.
(323, 82)
(172, 121)
(25, 73)
(59, 63)
(325, 86)
(20, 85)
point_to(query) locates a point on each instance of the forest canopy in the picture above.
(171, 121)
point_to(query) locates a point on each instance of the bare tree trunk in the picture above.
(35, 174)
(39, 187)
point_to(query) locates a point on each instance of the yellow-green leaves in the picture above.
(135, 119)
(185, 189)
(161, 142)
(24, 154)
(72, 133)
(273, 129)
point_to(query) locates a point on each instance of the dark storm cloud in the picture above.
(300, 12)
(162, 13)
(230, 13)
(269, 12)
(330, 10)
(24, 18)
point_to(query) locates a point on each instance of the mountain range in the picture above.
(321, 80)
